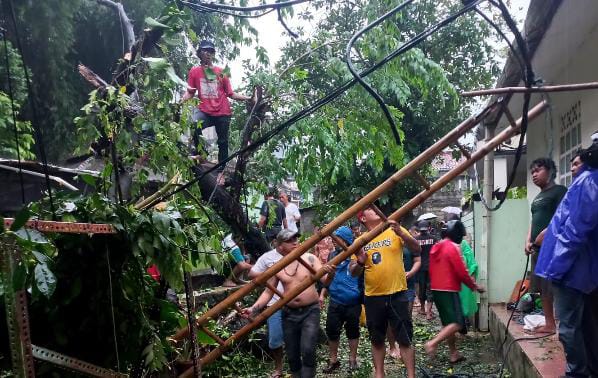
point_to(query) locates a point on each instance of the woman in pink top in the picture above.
(447, 272)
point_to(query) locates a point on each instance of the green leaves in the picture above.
(45, 280)
(156, 63)
(21, 218)
(209, 73)
(149, 21)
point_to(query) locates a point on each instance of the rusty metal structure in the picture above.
(23, 352)
(408, 171)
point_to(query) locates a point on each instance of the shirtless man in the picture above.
(301, 316)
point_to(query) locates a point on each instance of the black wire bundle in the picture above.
(365, 85)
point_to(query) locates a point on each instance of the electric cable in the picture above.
(204, 9)
(326, 99)
(284, 24)
(529, 79)
(516, 304)
(39, 139)
(220, 6)
(503, 36)
(520, 339)
(14, 115)
(362, 82)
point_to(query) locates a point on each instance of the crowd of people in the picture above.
(378, 283)
(382, 277)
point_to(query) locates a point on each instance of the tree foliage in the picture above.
(339, 152)
(346, 148)
(18, 90)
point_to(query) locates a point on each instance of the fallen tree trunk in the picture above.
(231, 212)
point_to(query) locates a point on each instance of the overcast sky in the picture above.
(272, 36)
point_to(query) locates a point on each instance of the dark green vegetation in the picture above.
(478, 348)
(337, 154)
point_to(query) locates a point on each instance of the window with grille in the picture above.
(570, 141)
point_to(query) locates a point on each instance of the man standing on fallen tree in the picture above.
(213, 89)
(386, 300)
(301, 316)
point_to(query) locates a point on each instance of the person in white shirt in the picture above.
(275, 334)
(292, 212)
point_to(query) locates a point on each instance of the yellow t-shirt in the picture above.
(384, 269)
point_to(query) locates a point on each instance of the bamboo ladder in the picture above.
(409, 170)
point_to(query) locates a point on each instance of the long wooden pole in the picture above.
(366, 238)
(370, 198)
(547, 88)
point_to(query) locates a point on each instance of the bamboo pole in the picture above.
(366, 238)
(387, 185)
(546, 88)
(141, 205)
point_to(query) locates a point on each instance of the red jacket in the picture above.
(447, 269)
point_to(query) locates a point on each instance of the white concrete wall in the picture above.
(506, 260)
(567, 54)
(500, 173)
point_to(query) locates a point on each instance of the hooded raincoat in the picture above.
(569, 253)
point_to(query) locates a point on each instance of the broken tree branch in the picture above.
(125, 23)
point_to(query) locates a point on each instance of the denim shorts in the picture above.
(411, 295)
(275, 336)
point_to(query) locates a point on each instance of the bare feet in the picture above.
(394, 353)
(229, 283)
(456, 358)
(220, 179)
(542, 329)
(430, 349)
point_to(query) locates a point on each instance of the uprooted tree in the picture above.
(132, 117)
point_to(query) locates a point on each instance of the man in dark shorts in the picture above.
(344, 307)
(272, 215)
(448, 272)
(426, 240)
(543, 173)
(386, 302)
(412, 264)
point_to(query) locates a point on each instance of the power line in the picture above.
(529, 78)
(39, 138)
(326, 99)
(365, 85)
(218, 6)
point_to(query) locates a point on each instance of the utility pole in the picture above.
(484, 255)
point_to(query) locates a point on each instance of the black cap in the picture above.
(455, 230)
(206, 45)
(423, 225)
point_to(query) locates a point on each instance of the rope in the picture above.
(528, 77)
(362, 82)
(14, 115)
(39, 140)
